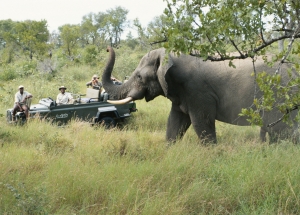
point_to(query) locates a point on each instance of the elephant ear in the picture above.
(164, 66)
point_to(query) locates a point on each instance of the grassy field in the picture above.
(79, 169)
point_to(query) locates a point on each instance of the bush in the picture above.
(90, 55)
(126, 62)
(26, 68)
(7, 55)
(47, 66)
(8, 73)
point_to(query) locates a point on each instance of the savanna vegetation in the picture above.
(80, 169)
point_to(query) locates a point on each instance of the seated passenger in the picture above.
(63, 97)
(94, 83)
(21, 102)
(115, 81)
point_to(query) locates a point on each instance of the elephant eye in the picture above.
(139, 77)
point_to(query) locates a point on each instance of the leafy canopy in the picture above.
(245, 26)
(30, 37)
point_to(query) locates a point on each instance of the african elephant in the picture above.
(201, 92)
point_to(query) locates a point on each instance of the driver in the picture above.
(63, 97)
(21, 102)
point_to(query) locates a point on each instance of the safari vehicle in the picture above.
(93, 108)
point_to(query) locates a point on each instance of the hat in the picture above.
(21, 86)
(62, 87)
(95, 76)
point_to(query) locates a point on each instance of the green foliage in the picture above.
(90, 28)
(7, 54)
(70, 35)
(32, 37)
(28, 37)
(25, 69)
(154, 34)
(130, 41)
(212, 26)
(8, 73)
(104, 27)
(117, 22)
(90, 55)
(126, 63)
(28, 202)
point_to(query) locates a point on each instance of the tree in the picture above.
(117, 20)
(154, 33)
(213, 26)
(6, 31)
(143, 36)
(32, 37)
(131, 41)
(95, 29)
(7, 44)
(70, 35)
(157, 29)
(212, 29)
(89, 29)
(102, 23)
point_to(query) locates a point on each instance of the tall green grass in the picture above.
(89, 170)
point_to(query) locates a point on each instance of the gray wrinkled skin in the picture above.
(201, 93)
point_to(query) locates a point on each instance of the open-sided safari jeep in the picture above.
(93, 108)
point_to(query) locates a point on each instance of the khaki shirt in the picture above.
(64, 98)
(20, 97)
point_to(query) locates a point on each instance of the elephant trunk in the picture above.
(114, 91)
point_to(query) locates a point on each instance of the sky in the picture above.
(60, 12)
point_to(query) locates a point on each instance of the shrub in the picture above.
(28, 202)
(90, 55)
(47, 66)
(8, 73)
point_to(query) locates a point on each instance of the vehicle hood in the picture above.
(39, 107)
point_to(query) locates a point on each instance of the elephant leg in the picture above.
(263, 134)
(205, 126)
(178, 123)
(288, 133)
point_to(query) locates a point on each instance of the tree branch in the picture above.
(161, 41)
(261, 30)
(289, 48)
(283, 29)
(216, 49)
(243, 56)
(235, 46)
(281, 118)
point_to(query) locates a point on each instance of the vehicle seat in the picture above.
(92, 95)
(104, 96)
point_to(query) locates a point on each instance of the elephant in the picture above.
(201, 92)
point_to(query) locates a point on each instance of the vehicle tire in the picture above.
(9, 116)
(107, 122)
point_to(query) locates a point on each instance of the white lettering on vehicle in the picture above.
(62, 116)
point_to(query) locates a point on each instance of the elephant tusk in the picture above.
(120, 102)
